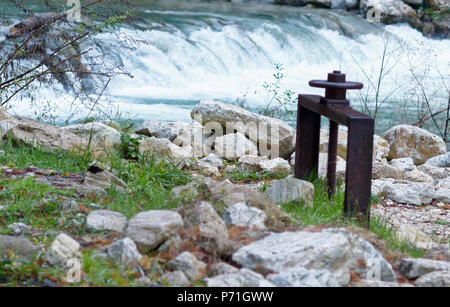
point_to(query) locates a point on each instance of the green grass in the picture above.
(23, 155)
(326, 211)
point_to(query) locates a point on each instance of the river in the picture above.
(224, 51)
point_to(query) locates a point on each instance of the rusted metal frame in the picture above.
(359, 150)
(358, 177)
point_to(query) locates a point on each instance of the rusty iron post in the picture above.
(337, 108)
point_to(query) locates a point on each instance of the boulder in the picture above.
(378, 185)
(243, 278)
(224, 194)
(434, 279)
(417, 176)
(384, 170)
(240, 214)
(176, 279)
(391, 11)
(410, 141)
(62, 251)
(342, 142)
(106, 220)
(96, 133)
(48, 137)
(302, 277)
(274, 137)
(151, 228)
(434, 172)
(208, 229)
(334, 250)
(212, 160)
(99, 177)
(364, 283)
(19, 228)
(277, 166)
(207, 169)
(189, 265)
(412, 193)
(17, 247)
(163, 148)
(416, 267)
(442, 160)
(403, 164)
(323, 165)
(124, 252)
(234, 145)
(221, 268)
(290, 189)
(344, 4)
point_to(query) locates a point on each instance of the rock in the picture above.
(101, 220)
(97, 176)
(234, 145)
(168, 130)
(415, 236)
(213, 160)
(410, 141)
(151, 228)
(302, 277)
(340, 166)
(342, 143)
(335, 250)
(189, 135)
(243, 215)
(262, 130)
(224, 194)
(189, 265)
(243, 278)
(417, 176)
(364, 283)
(124, 251)
(163, 148)
(344, 4)
(221, 268)
(403, 164)
(96, 133)
(412, 193)
(383, 170)
(438, 4)
(416, 267)
(439, 252)
(258, 164)
(380, 149)
(63, 250)
(49, 137)
(207, 169)
(290, 189)
(18, 247)
(434, 279)
(176, 279)
(391, 11)
(378, 185)
(434, 172)
(439, 161)
(210, 231)
(19, 228)
(414, 3)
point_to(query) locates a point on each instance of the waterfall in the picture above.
(225, 51)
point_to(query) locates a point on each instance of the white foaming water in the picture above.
(224, 57)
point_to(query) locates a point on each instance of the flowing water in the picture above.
(226, 51)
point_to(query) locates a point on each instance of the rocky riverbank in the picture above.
(240, 220)
(431, 17)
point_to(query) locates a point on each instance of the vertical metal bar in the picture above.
(307, 145)
(332, 156)
(358, 178)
